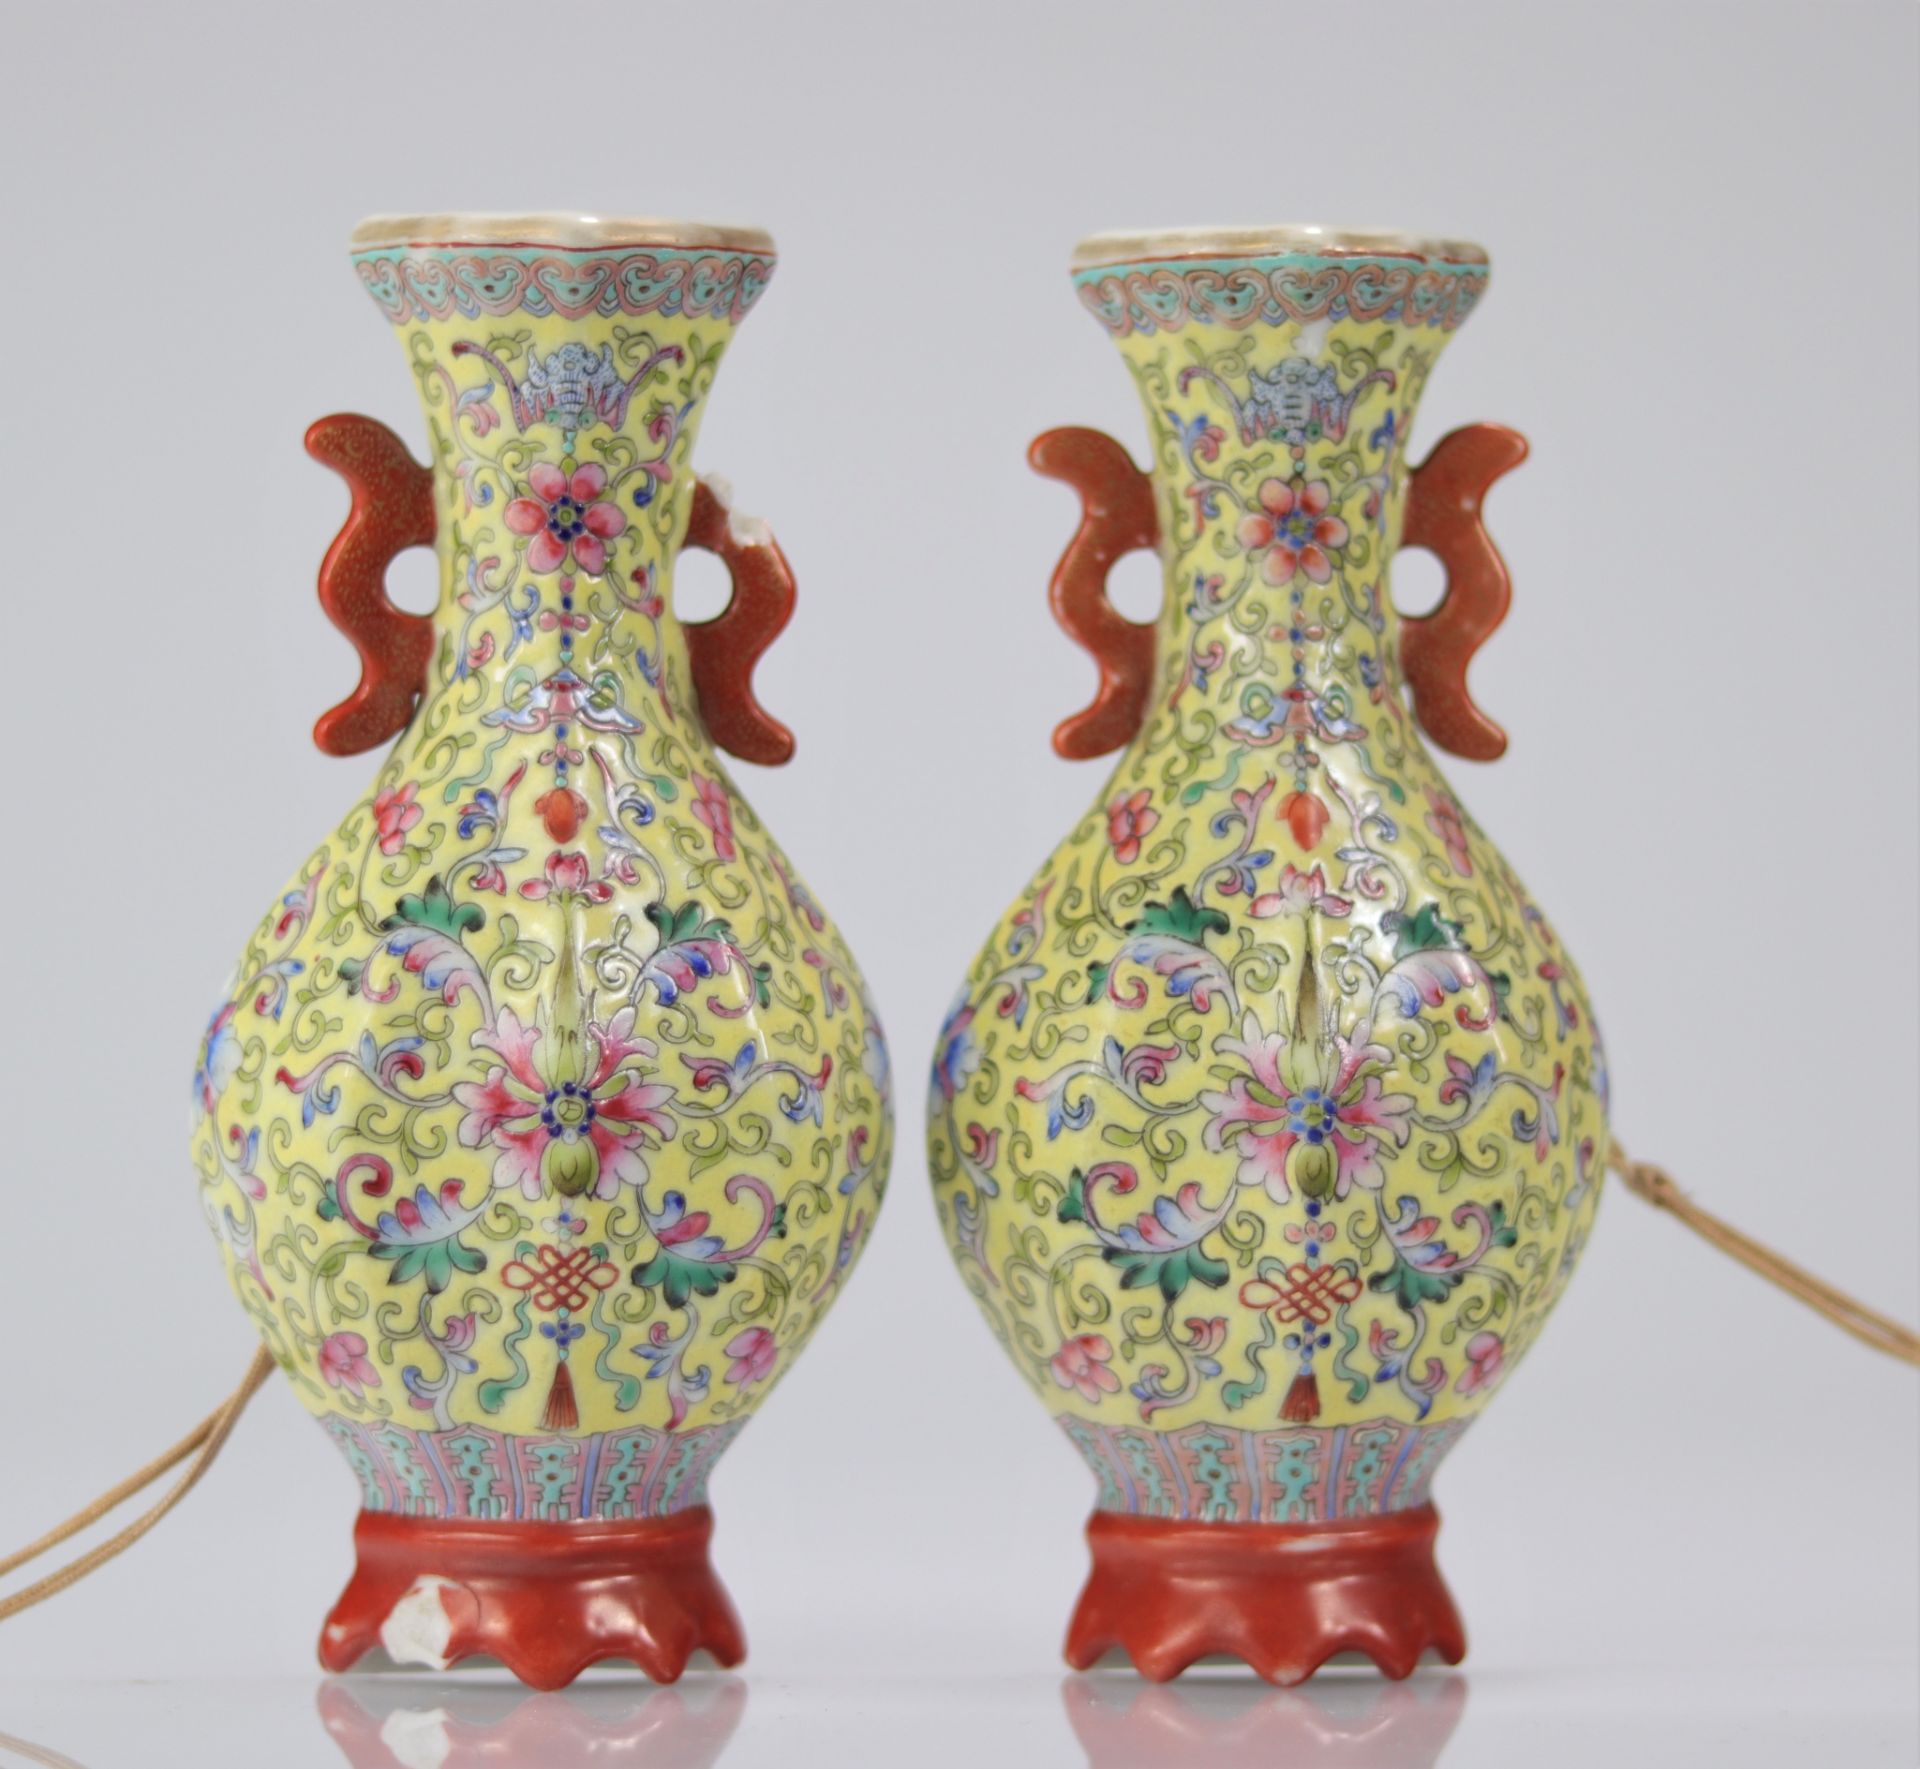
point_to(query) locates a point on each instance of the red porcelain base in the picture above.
(1283, 1596)
(545, 1599)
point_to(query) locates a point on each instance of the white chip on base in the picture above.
(418, 1628)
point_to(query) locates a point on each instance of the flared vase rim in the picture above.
(1283, 240)
(561, 229)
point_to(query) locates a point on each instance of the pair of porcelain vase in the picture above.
(548, 1112)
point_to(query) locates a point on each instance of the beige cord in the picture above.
(1658, 1188)
(33, 1753)
(202, 1443)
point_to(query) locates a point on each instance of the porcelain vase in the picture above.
(1269, 1124)
(546, 1111)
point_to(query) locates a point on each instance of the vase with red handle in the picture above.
(1268, 1126)
(546, 1111)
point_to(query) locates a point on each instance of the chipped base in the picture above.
(545, 1599)
(1283, 1597)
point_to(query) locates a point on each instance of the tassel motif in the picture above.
(1302, 1404)
(563, 1414)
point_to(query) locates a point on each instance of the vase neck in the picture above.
(1280, 390)
(563, 388)
(1280, 485)
(563, 482)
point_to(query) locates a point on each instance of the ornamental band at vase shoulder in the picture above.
(547, 1111)
(1269, 1123)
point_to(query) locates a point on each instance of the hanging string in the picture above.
(203, 1443)
(1658, 1187)
(33, 1753)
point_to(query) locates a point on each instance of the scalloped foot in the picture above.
(1284, 1597)
(545, 1599)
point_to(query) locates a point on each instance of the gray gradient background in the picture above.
(1691, 1518)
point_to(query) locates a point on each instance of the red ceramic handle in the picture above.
(724, 650)
(1443, 515)
(1116, 518)
(392, 510)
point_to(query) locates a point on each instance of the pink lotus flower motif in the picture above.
(1291, 531)
(567, 876)
(1129, 818)
(566, 517)
(1300, 891)
(712, 807)
(1485, 1354)
(1445, 822)
(1290, 1127)
(1081, 1364)
(345, 1364)
(754, 1354)
(394, 813)
(578, 1135)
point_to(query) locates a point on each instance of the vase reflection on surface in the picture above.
(460, 1724)
(547, 1111)
(1268, 1126)
(1335, 1723)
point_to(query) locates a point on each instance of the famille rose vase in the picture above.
(1269, 1124)
(547, 1111)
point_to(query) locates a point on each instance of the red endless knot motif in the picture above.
(1312, 1293)
(560, 1278)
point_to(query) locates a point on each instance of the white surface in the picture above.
(1816, 1714)
(1687, 1533)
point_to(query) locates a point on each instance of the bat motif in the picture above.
(1295, 401)
(573, 387)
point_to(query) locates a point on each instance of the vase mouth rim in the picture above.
(1283, 240)
(564, 229)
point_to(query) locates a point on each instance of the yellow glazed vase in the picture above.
(546, 1111)
(1269, 1123)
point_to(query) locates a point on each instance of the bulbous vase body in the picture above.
(1269, 1123)
(546, 1111)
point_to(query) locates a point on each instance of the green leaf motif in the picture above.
(1426, 930)
(678, 1279)
(437, 1261)
(688, 922)
(1171, 1271)
(1410, 1287)
(1180, 917)
(436, 909)
(1073, 1201)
